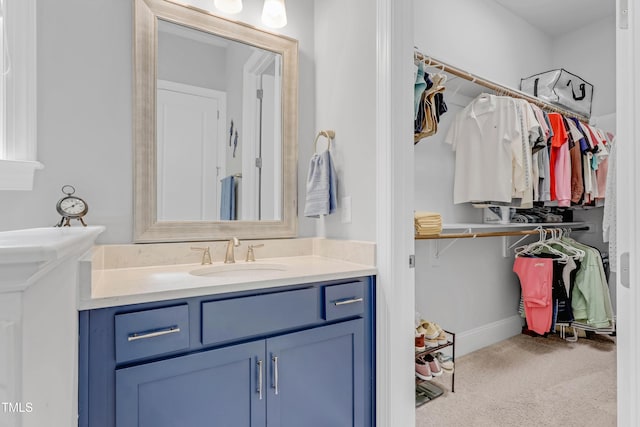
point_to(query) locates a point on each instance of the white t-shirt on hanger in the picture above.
(482, 136)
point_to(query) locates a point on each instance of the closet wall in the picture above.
(471, 288)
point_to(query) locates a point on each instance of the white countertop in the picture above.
(43, 244)
(26, 255)
(121, 286)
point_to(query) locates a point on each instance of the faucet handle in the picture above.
(206, 254)
(251, 257)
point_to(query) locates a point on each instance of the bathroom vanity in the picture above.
(245, 344)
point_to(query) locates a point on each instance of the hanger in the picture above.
(537, 247)
(556, 239)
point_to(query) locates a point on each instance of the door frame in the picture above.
(627, 209)
(395, 283)
(253, 69)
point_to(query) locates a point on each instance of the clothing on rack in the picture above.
(574, 275)
(536, 278)
(511, 153)
(429, 103)
(483, 136)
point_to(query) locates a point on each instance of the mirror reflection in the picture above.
(218, 128)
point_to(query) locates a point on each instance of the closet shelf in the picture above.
(501, 230)
(500, 89)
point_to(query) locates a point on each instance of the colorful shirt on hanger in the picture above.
(560, 164)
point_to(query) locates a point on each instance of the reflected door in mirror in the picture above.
(219, 114)
(190, 138)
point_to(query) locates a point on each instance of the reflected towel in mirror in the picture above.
(228, 199)
(321, 186)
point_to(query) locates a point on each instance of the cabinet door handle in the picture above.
(260, 378)
(348, 301)
(275, 372)
(141, 336)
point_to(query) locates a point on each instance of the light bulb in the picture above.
(274, 13)
(228, 6)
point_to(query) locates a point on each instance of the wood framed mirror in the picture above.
(215, 119)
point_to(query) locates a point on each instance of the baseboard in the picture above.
(491, 333)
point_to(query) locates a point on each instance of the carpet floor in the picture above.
(529, 381)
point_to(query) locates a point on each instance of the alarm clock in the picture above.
(71, 207)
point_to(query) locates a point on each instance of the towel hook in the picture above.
(329, 134)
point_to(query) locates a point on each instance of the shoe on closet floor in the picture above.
(434, 366)
(419, 345)
(423, 371)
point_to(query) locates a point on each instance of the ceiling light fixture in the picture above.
(274, 13)
(228, 6)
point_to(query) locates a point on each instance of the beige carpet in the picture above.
(527, 381)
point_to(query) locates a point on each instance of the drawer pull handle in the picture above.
(259, 363)
(275, 372)
(348, 301)
(137, 336)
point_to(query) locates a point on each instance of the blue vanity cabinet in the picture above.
(215, 387)
(316, 377)
(292, 356)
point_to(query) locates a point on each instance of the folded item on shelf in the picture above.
(427, 223)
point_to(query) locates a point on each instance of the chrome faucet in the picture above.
(250, 255)
(206, 254)
(230, 256)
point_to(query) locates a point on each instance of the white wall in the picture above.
(589, 53)
(345, 34)
(471, 288)
(191, 62)
(84, 111)
(481, 37)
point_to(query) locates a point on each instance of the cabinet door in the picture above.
(212, 388)
(316, 377)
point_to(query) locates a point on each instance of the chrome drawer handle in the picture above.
(259, 363)
(348, 301)
(275, 372)
(137, 336)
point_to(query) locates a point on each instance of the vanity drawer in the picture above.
(344, 300)
(151, 332)
(237, 318)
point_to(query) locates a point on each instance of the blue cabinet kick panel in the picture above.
(285, 357)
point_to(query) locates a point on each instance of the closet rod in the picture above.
(496, 86)
(472, 235)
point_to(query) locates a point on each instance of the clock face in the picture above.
(73, 206)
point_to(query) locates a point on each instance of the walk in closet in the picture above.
(464, 278)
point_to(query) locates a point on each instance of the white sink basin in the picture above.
(254, 269)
